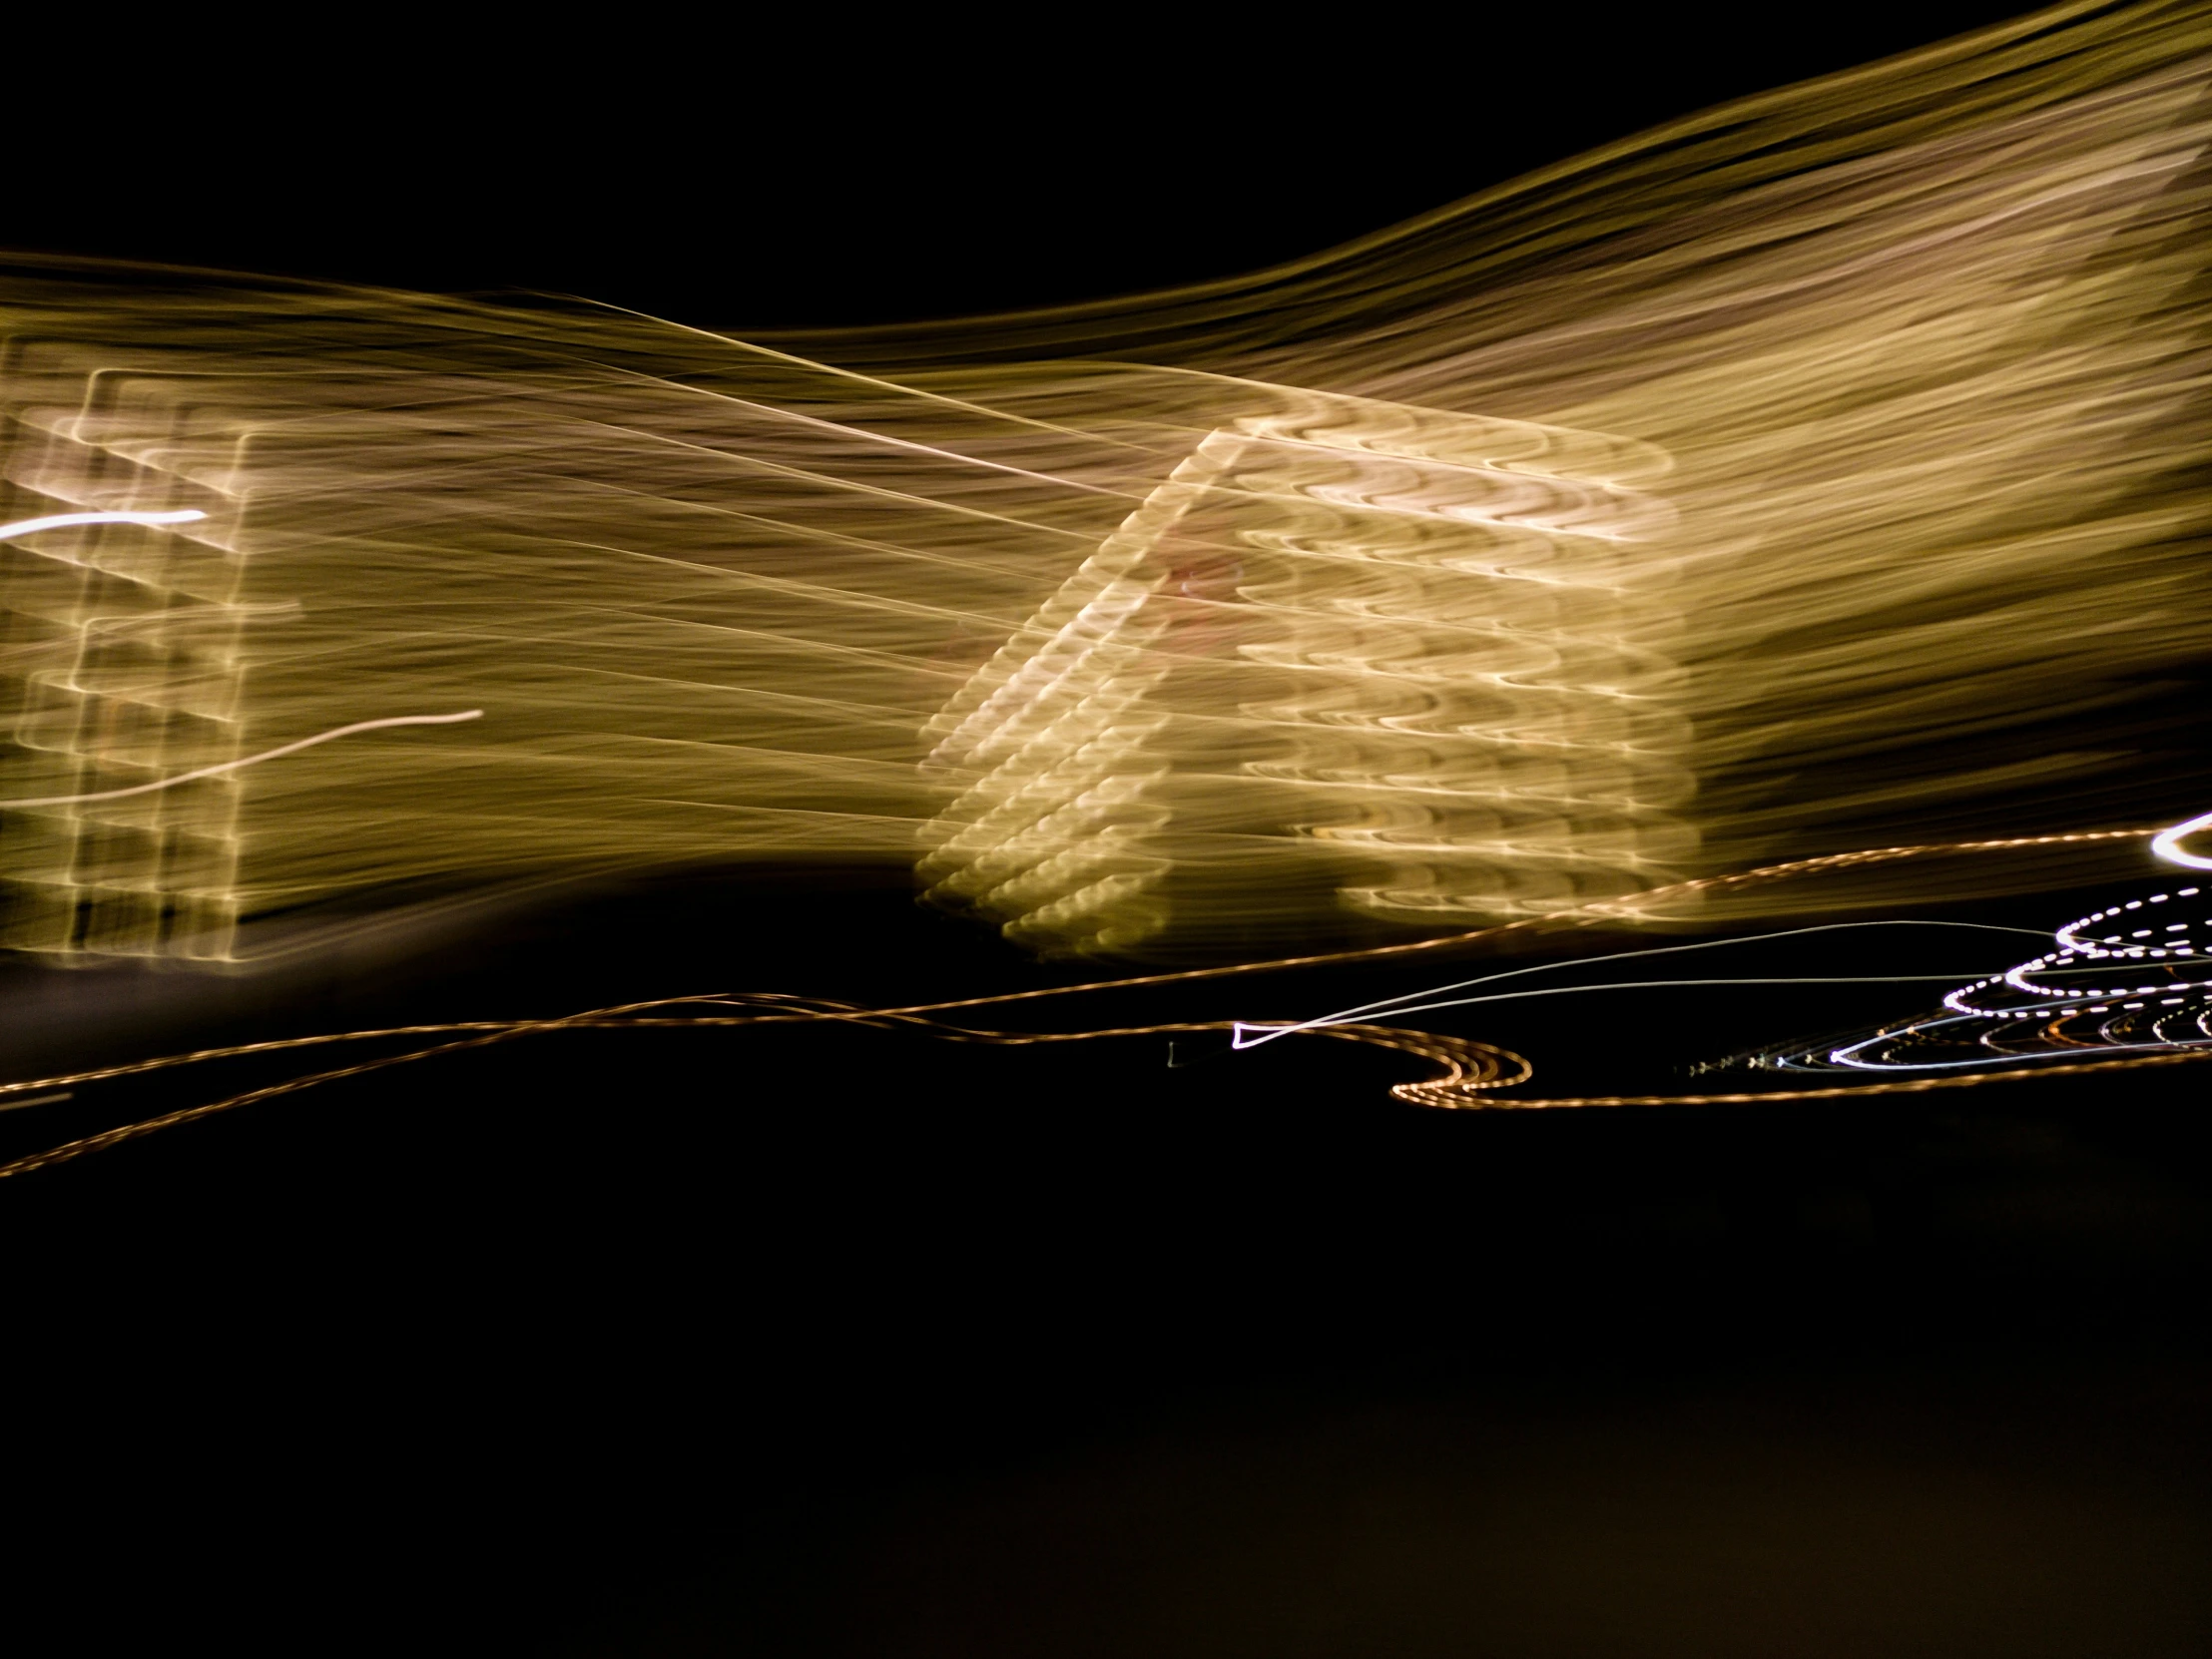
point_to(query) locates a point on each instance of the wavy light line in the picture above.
(1818, 471)
(1473, 1068)
(1411, 1002)
(250, 760)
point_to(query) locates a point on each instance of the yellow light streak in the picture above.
(1471, 1070)
(1820, 472)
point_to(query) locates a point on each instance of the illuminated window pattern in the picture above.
(123, 663)
(1354, 655)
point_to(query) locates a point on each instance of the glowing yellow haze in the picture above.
(1813, 473)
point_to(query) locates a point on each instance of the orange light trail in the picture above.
(1472, 1069)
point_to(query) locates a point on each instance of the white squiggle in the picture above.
(63, 521)
(250, 760)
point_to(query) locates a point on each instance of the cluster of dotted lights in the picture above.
(2075, 951)
(2134, 977)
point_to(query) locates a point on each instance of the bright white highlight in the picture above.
(2097, 990)
(65, 521)
(2168, 844)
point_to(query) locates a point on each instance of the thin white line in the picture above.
(1269, 1032)
(1393, 1004)
(250, 760)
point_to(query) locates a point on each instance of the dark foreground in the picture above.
(837, 1343)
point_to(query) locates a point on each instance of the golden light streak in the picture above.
(1820, 472)
(279, 752)
(1471, 1070)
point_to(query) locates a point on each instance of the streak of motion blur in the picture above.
(1816, 474)
(2106, 986)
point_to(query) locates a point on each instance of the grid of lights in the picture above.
(1375, 650)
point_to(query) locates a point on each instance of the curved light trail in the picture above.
(1252, 1034)
(1473, 1071)
(222, 768)
(2168, 844)
(2131, 978)
(69, 521)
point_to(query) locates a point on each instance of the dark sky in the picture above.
(858, 171)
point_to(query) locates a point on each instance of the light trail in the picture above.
(1530, 559)
(1411, 1002)
(2168, 844)
(1473, 1070)
(2108, 986)
(1821, 470)
(1245, 1028)
(1465, 1062)
(222, 768)
(66, 521)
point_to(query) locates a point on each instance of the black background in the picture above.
(845, 1342)
(777, 171)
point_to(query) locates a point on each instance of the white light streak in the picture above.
(1411, 1002)
(2168, 844)
(64, 521)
